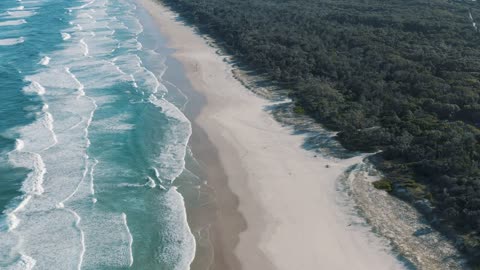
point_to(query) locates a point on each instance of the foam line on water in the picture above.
(19, 144)
(134, 82)
(92, 170)
(77, 124)
(179, 148)
(112, 62)
(150, 183)
(33, 183)
(181, 93)
(131, 185)
(61, 204)
(66, 36)
(17, 8)
(85, 15)
(130, 239)
(157, 175)
(20, 13)
(80, 86)
(78, 219)
(89, 121)
(47, 120)
(187, 245)
(85, 47)
(157, 83)
(45, 61)
(11, 41)
(12, 218)
(49, 125)
(13, 22)
(34, 88)
(83, 6)
(23, 263)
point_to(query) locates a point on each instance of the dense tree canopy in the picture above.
(400, 76)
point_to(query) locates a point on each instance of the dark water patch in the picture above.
(41, 33)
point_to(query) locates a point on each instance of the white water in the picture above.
(60, 189)
(130, 240)
(34, 88)
(11, 41)
(66, 36)
(20, 13)
(12, 22)
(45, 61)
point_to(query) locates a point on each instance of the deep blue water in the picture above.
(90, 140)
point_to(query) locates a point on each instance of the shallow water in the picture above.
(91, 141)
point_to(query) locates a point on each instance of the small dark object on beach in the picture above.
(327, 166)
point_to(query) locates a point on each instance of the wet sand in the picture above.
(275, 203)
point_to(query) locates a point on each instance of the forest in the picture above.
(400, 77)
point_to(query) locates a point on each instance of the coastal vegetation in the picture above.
(383, 184)
(397, 77)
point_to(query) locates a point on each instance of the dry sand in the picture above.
(285, 194)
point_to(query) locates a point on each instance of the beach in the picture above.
(276, 203)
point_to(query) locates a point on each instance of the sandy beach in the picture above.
(276, 202)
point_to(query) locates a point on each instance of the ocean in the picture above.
(92, 139)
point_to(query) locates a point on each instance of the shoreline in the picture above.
(201, 212)
(266, 178)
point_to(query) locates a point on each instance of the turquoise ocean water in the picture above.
(90, 140)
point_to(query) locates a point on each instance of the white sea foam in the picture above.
(19, 144)
(12, 219)
(49, 125)
(34, 88)
(78, 219)
(157, 175)
(11, 41)
(18, 8)
(85, 47)
(134, 82)
(85, 15)
(66, 36)
(32, 185)
(178, 229)
(130, 239)
(82, 179)
(84, 5)
(45, 61)
(24, 262)
(80, 87)
(131, 185)
(77, 124)
(171, 161)
(92, 169)
(75, 84)
(13, 22)
(150, 183)
(21, 13)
